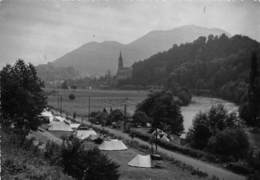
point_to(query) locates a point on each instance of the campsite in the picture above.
(134, 164)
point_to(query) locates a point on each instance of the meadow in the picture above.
(95, 100)
(116, 99)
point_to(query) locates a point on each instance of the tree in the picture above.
(230, 143)
(72, 96)
(86, 164)
(208, 124)
(164, 112)
(115, 116)
(253, 94)
(22, 97)
(140, 118)
(200, 133)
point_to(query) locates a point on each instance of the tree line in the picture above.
(215, 64)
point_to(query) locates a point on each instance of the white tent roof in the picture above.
(47, 114)
(141, 161)
(59, 126)
(112, 145)
(74, 125)
(59, 118)
(83, 134)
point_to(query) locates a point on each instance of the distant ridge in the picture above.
(96, 58)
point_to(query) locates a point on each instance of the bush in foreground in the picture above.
(86, 164)
(230, 142)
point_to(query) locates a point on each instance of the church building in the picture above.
(123, 73)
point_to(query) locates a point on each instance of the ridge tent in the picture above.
(143, 161)
(59, 126)
(74, 125)
(60, 129)
(48, 115)
(112, 145)
(83, 134)
(161, 135)
(59, 118)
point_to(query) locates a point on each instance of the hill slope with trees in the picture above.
(213, 64)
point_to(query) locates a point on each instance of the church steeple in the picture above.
(120, 61)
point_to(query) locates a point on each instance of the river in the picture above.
(203, 104)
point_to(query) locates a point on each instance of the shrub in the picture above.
(178, 148)
(229, 142)
(82, 164)
(115, 116)
(72, 96)
(140, 118)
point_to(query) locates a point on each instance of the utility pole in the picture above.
(125, 113)
(61, 105)
(58, 102)
(88, 107)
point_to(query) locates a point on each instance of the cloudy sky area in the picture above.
(43, 30)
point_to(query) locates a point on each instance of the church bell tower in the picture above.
(120, 62)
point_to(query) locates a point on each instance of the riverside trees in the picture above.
(163, 112)
(218, 132)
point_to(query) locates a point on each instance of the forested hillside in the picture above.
(215, 64)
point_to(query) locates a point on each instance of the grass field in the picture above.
(98, 100)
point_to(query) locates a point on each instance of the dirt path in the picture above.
(210, 169)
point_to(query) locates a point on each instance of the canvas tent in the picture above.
(59, 126)
(59, 118)
(83, 134)
(74, 125)
(161, 135)
(112, 145)
(141, 161)
(48, 115)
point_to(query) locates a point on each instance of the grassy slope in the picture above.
(167, 170)
(20, 163)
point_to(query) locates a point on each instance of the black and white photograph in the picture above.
(130, 89)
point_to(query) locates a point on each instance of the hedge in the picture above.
(178, 148)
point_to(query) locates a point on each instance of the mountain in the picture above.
(96, 58)
(217, 65)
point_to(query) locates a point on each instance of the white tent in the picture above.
(141, 161)
(112, 145)
(161, 135)
(48, 115)
(83, 134)
(59, 118)
(74, 125)
(59, 126)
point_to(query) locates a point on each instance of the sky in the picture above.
(39, 31)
